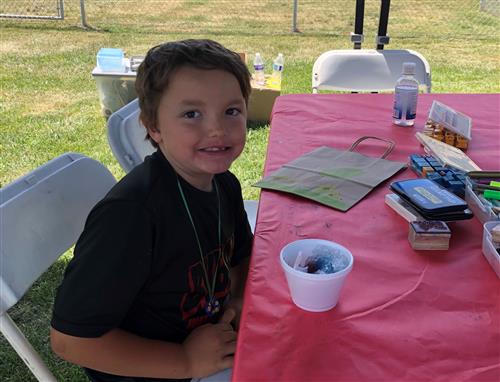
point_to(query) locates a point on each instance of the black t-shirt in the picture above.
(137, 264)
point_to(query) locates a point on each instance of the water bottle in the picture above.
(275, 79)
(405, 97)
(258, 65)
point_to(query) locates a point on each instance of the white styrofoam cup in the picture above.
(309, 291)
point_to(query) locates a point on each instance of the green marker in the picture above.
(491, 194)
(494, 184)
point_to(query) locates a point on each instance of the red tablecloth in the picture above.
(403, 315)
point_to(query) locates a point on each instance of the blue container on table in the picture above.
(111, 60)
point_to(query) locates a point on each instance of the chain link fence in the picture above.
(32, 9)
(472, 19)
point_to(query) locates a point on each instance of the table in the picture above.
(403, 315)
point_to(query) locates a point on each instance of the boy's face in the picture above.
(201, 123)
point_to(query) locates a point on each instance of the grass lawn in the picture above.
(49, 101)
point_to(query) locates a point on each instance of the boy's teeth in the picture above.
(215, 149)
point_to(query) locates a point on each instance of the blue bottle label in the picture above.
(259, 67)
(277, 67)
(405, 102)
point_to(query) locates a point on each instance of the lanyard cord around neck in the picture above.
(210, 287)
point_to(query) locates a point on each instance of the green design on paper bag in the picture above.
(338, 179)
(346, 172)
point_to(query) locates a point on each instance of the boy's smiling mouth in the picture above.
(215, 149)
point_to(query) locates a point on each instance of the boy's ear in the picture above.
(154, 134)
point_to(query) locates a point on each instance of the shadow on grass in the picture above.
(35, 25)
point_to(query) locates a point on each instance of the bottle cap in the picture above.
(409, 68)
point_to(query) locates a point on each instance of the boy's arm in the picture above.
(238, 275)
(206, 350)
(122, 353)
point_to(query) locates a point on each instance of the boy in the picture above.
(154, 289)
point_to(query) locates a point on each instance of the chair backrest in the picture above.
(42, 214)
(126, 136)
(366, 70)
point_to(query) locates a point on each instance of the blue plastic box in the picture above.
(111, 60)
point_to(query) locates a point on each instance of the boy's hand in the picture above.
(210, 348)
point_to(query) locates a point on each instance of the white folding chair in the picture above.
(41, 216)
(367, 70)
(126, 137)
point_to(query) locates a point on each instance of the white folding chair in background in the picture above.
(367, 70)
(126, 137)
(41, 216)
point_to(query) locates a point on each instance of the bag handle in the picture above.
(388, 141)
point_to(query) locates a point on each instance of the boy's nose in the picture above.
(216, 127)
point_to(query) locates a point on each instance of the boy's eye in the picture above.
(233, 111)
(191, 114)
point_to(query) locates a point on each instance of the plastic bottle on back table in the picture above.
(275, 79)
(405, 97)
(258, 66)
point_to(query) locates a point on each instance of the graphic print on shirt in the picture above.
(194, 301)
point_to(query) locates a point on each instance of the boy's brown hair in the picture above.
(162, 60)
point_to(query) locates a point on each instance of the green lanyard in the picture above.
(213, 305)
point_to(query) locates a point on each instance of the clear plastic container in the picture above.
(405, 97)
(451, 119)
(115, 88)
(489, 250)
(111, 60)
(482, 211)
